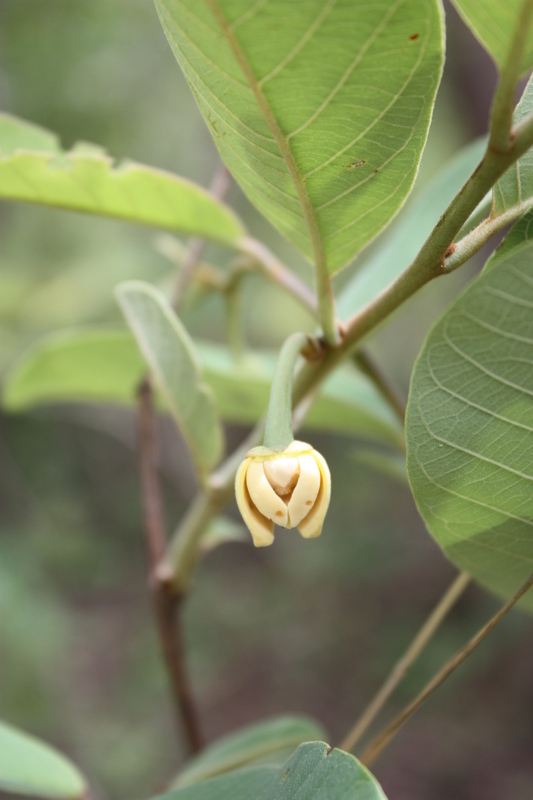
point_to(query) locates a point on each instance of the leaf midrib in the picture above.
(308, 210)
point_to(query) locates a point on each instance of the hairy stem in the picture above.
(278, 431)
(382, 740)
(470, 244)
(504, 99)
(402, 666)
(166, 598)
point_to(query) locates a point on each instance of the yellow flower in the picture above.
(290, 488)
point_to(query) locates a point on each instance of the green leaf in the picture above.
(34, 169)
(170, 354)
(105, 366)
(313, 772)
(273, 739)
(470, 424)
(515, 187)
(493, 23)
(410, 232)
(31, 767)
(320, 108)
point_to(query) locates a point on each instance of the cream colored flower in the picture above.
(290, 488)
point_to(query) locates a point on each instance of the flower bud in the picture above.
(290, 488)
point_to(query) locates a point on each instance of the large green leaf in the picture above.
(313, 772)
(30, 767)
(470, 424)
(34, 169)
(274, 740)
(413, 227)
(515, 187)
(494, 22)
(105, 366)
(171, 357)
(320, 108)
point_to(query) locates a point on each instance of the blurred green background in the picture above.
(300, 627)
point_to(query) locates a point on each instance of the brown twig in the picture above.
(165, 596)
(382, 739)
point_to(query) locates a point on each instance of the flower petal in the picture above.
(263, 495)
(306, 490)
(282, 474)
(261, 528)
(311, 525)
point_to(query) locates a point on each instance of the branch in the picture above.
(400, 669)
(278, 272)
(166, 598)
(470, 244)
(219, 188)
(371, 369)
(501, 120)
(381, 741)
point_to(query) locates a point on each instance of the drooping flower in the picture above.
(290, 488)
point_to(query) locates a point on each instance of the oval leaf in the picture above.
(470, 425)
(175, 368)
(274, 739)
(320, 108)
(105, 366)
(493, 23)
(34, 169)
(313, 772)
(31, 767)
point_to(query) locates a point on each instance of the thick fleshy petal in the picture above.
(263, 495)
(261, 528)
(311, 525)
(306, 490)
(282, 474)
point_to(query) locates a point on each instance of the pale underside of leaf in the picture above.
(320, 109)
(470, 426)
(171, 358)
(34, 169)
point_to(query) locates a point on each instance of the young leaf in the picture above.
(414, 225)
(320, 108)
(515, 187)
(31, 767)
(470, 424)
(271, 739)
(313, 772)
(105, 366)
(494, 22)
(34, 169)
(169, 352)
